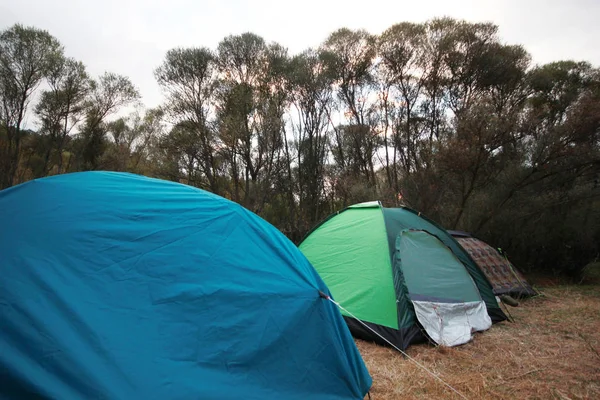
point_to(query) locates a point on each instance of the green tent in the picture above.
(401, 275)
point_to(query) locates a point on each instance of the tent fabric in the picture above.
(502, 274)
(118, 286)
(431, 271)
(399, 324)
(445, 299)
(358, 246)
(452, 324)
(400, 218)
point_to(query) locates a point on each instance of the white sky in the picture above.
(130, 37)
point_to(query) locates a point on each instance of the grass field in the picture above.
(551, 351)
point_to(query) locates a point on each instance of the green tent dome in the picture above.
(401, 275)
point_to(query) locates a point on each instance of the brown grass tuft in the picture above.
(552, 351)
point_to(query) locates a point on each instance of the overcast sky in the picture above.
(130, 37)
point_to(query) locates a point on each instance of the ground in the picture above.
(551, 351)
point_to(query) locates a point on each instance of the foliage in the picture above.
(26, 57)
(441, 116)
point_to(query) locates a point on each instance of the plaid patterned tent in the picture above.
(502, 274)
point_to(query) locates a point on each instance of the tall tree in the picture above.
(62, 107)
(486, 133)
(187, 77)
(108, 95)
(350, 56)
(312, 95)
(26, 54)
(401, 76)
(252, 101)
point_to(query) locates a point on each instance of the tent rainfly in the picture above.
(505, 278)
(118, 286)
(400, 274)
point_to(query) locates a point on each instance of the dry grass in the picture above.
(552, 351)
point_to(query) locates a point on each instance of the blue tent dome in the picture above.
(119, 286)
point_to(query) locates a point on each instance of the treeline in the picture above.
(440, 116)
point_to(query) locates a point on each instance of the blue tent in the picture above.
(118, 286)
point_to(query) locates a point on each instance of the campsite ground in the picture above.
(551, 351)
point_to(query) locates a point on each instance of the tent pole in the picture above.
(511, 318)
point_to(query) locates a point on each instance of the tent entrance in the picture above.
(446, 301)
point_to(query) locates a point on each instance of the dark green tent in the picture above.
(401, 275)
